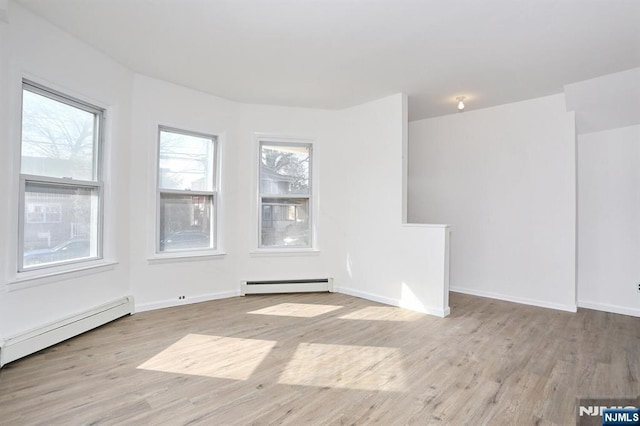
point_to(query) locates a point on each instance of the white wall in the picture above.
(608, 220)
(606, 102)
(358, 152)
(607, 112)
(383, 259)
(310, 124)
(33, 48)
(159, 283)
(3, 10)
(360, 240)
(504, 179)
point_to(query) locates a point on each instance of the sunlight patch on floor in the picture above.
(211, 356)
(383, 313)
(342, 366)
(301, 310)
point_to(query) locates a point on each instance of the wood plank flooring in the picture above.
(328, 359)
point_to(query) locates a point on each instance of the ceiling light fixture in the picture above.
(460, 100)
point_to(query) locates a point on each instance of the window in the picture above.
(186, 191)
(285, 195)
(60, 180)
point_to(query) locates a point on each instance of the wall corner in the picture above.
(405, 157)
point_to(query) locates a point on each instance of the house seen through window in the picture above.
(285, 195)
(60, 181)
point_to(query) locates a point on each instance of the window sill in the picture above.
(36, 278)
(185, 257)
(424, 225)
(285, 252)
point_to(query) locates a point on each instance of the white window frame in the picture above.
(214, 193)
(287, 141)
(96, 184)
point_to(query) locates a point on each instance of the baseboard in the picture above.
(287, 286)
(170, 303)
(614, 309)
(393, 302)
(521, 300)
(27, 343)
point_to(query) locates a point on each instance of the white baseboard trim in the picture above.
(170, 303)
(521, 300)
(287, 286)
(32, 341)
(614, 309)
(393, 302)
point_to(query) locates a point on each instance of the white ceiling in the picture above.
(339, 53)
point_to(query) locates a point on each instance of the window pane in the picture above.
(186, 162)
(185, 222)
(57, 139)
(285, 222)
(284, 169)
(60, 223)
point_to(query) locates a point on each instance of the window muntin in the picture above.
(285, 195)
(60, 190)
(186, 191)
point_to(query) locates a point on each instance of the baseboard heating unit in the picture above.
(286, 286)
(32, 341)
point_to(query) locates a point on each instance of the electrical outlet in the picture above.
(638, 287)
(181, 297)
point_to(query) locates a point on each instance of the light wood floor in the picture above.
(328, 359)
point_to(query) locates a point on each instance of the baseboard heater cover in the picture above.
(24, 344)
(286, 286)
